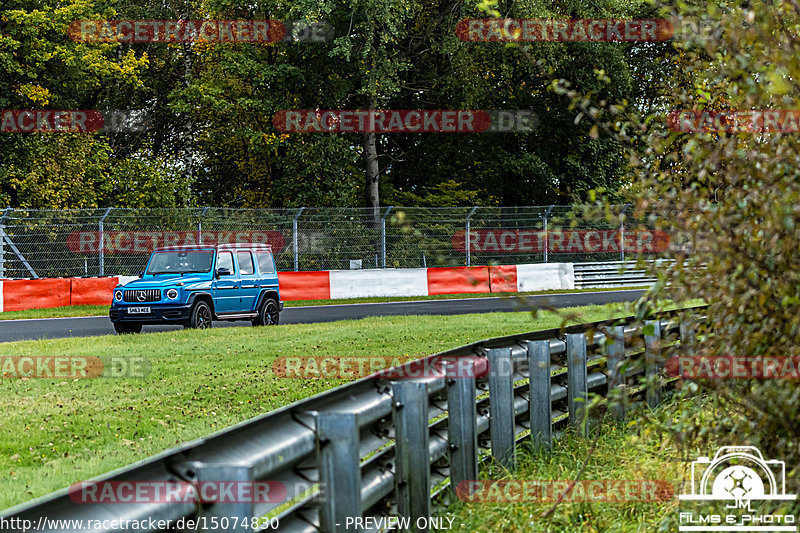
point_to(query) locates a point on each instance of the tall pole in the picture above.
(546, 236)
(622, 232)
(383, 235)
(3, 243)
(466, 234)
(101, 241)
(294, 236)
(200, 226)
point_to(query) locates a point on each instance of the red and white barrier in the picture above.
(17, 295)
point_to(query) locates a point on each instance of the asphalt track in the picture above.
(55, 328)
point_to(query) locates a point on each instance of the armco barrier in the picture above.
(323, 285)
(378, 447)
(19, 295)
(503, 278)
(91, 291)
(304, 285)
(378, 282)
(458, 280)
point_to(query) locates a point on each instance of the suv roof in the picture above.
(224, 246)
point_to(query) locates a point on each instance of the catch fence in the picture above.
(112, 242)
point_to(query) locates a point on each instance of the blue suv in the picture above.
(193, 285)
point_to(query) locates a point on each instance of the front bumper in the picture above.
(159, 314)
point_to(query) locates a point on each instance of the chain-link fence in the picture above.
(92, 242)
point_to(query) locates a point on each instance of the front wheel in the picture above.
(199, 316)
(123, 329)
(268, 313)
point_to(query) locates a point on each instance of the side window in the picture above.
(225, 260)
(265, 263)
(245, 263)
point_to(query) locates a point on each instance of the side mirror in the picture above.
(141, 274)
(223, 272)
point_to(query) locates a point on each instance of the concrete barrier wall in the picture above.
(17, 295)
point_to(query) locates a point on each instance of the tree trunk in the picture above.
(373, 176)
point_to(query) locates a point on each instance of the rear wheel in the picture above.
(123, 329)
(199, 316)
(268, 313)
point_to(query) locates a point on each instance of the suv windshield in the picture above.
(181, 262)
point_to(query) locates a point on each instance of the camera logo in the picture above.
(736, 476)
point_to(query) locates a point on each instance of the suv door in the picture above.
(247, 272)
(225, 290)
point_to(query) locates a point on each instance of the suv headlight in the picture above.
(118, 296)
(172, 293)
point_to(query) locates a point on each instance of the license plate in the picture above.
(138, 310)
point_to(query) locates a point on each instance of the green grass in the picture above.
(55, 433)
(638, 451)
(102, 310)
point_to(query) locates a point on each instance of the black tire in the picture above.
(268, 313)
(123, 329)
(200, 316)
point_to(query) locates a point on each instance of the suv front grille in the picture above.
(142, 295)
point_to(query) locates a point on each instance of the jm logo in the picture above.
(738, 474)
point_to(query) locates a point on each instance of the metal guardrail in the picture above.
(614, 274)
(376, 447)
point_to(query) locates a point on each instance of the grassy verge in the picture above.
(56, 432)
(638, 451)
(102, 310)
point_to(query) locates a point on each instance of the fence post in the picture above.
(339, 469)
(546, 235)
(466, 233)
(101, 241)
(577, 381)
(294, 236)
(615, 359)
(200, 226)
(383, 235)
(412, 478)
(652, 356)
(462, 430)
(3, 243)
(501, 406)
(622, 232)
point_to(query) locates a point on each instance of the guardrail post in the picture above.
(101, 241)
(466, 235)
(230, 516)
(294, 237)
(501, 406)
(383, 235)
(652, 362)
(462, 430)
(540, 406)
(339, 470)
(615, 359)
(687, 333)
(577, 381)
(412, 478)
